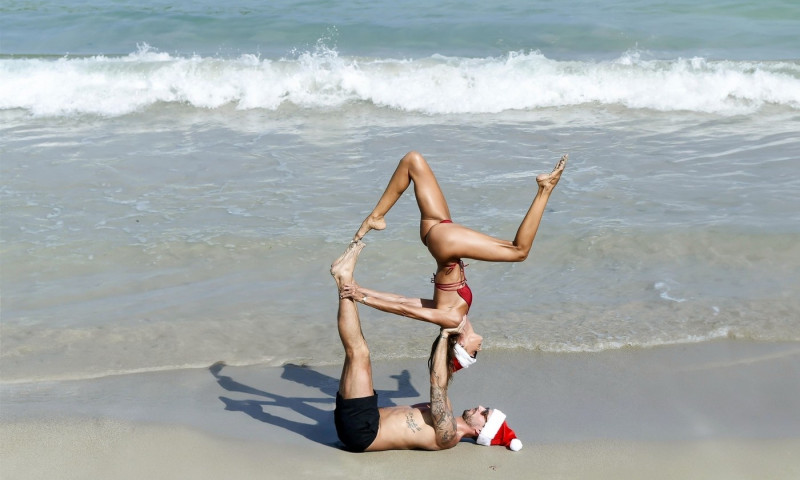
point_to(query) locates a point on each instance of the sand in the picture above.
(726, 409)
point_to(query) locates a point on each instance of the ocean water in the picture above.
(175, 179)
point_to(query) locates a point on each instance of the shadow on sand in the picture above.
(319, 425)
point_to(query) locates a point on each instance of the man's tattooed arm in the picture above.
(444, 423)
(443, 420)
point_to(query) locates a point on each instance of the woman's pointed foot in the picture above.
(548, 181)
(369, 223)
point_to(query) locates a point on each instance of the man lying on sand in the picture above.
(362, 426)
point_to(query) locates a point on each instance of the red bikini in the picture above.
(460, 286)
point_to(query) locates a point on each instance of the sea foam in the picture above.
(324, 79)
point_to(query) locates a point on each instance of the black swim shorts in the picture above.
(357, 421)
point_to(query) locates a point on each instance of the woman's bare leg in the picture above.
(450, 242)
(530, 224)
(430, 199)
(453, 241)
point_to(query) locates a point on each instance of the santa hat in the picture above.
(497, 432)
(462, 359)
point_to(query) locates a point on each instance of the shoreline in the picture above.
(722, 409)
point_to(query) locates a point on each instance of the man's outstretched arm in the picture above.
(444, 423)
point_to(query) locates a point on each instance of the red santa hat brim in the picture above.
(497, 432)
(461, 358)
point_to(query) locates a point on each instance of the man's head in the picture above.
(477, 417)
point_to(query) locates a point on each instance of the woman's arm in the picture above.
(390, 297)
(415, 308)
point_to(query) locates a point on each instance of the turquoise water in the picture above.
(176, 179)
(719, 29)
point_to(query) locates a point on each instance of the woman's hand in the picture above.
(446, 332)
(351, 291)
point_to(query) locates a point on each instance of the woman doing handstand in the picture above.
(449, 243)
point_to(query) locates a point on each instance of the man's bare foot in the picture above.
(343, 267)
(548, 181)
(347, 250)
(369, 223)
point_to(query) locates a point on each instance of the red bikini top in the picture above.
(460, 286)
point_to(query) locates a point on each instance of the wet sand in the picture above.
(723, 409)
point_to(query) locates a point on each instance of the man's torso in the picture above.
(405, 427)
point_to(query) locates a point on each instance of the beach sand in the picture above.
(726, 409)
